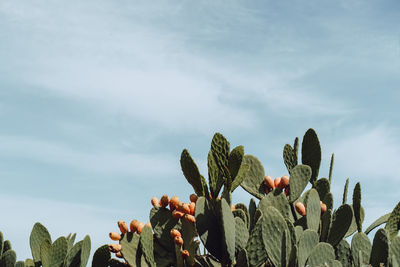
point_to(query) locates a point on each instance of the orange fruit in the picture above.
(284, 181)
(193, 198)
(173, 202)
(119, 255)
(134, 225)
(155, 202)
(192, 208)
(115, 236)
(301, 209)
(178, 240)
(177, 214)
(164, 201)
(323, 207)
(277, 181)
(123, 227)
(114, 248)
(269, 183)
(148, 224)
(174, 233)
(190, 218)
(140, 227)
(185, 254)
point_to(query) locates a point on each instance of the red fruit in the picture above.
(277, 181)
(284, 182)
(114, 248)
(134, 225)
(301, 209)
(119, 255)
(323, 207)
(177, 214)
(164, 201)
(184, 207)
(192, 207)
(269, 183)
(173, 202)
(178, 240)
(193, 198)
(155, 202)
(190, 218)
(175, 233)
(287, 191)
(140, 227)
(185, 254)
(115, 236)
(123, 227)
(148, 224)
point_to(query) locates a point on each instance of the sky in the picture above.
(99, 98)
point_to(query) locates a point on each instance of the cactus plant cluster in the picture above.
(291, 221)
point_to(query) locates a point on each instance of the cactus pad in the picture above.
(313, 210)
(307, 241)
(360, 246)
(341, 221)
(191, 173)
(101, 257)
(38, 235)
(380, 248)
(289, 157)
(381, 220)
(253, 183)
(255, 246)
(275, 199)
(321, 254)
(299, 178)
(393, 224)
(130, 248)
(343, 253)
(311, 153)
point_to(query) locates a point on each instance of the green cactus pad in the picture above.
(343, 253)
(292, 231)
(71, 240)
(328, 201)
(323, 187)
(357, 206)
(241, 206)
(307, 241)
(311, 153)
(293, 257)
(213, 174)
(242, 259)
(334, 263)
(73, 257)
(130, 247)
(275, 199)
(220, 148)
(238, 213)
(393, 224)
(321, 254)
(38, 235)
(253, 183)
(191, 173)
(45, 249)
(313, 210)
(235, 161)
(381, 220)
(146, 243)
(298, 230)
(252, 211)
(1, 243)
(228, 231)
(29, 263)
(395, 249)
(289, 157)
(163, 257)
(8, 258)
(360, 243)
(162, 222)
(255, 246)
(326, 220)
(241, 235)
(208, 227)
(189, 243)
(86, 246)
(241, 175)
(299, 178)
(353, 225)
(101, 257)
(56, 253)
(380, 248)
(346, 186)
(273, 228)
(341, 221)
(19, 264)
(6, 246)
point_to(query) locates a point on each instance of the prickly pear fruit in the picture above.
(177, 214)
(269, 183)
(284, 182)
(190, 218)
(148, 224)
(119, 255)
(164, 201)
(184, 207)
(192, 207)
(140, 227)
(287, 191)
(277, 181)
(134, 225)
(193, 198)
(123, 227)
(174, 233)
(178, 240)
(173, 202)
(155, 202)
(114, 248)
(301, 209)
(323, 207)
(185, 254)
(115, 236)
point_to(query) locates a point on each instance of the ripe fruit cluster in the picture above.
(279, 182)
(179, 209)
(135, 226)
(178, 240)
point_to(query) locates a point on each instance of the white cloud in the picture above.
(113, 162)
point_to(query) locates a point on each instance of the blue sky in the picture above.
(98, 99)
